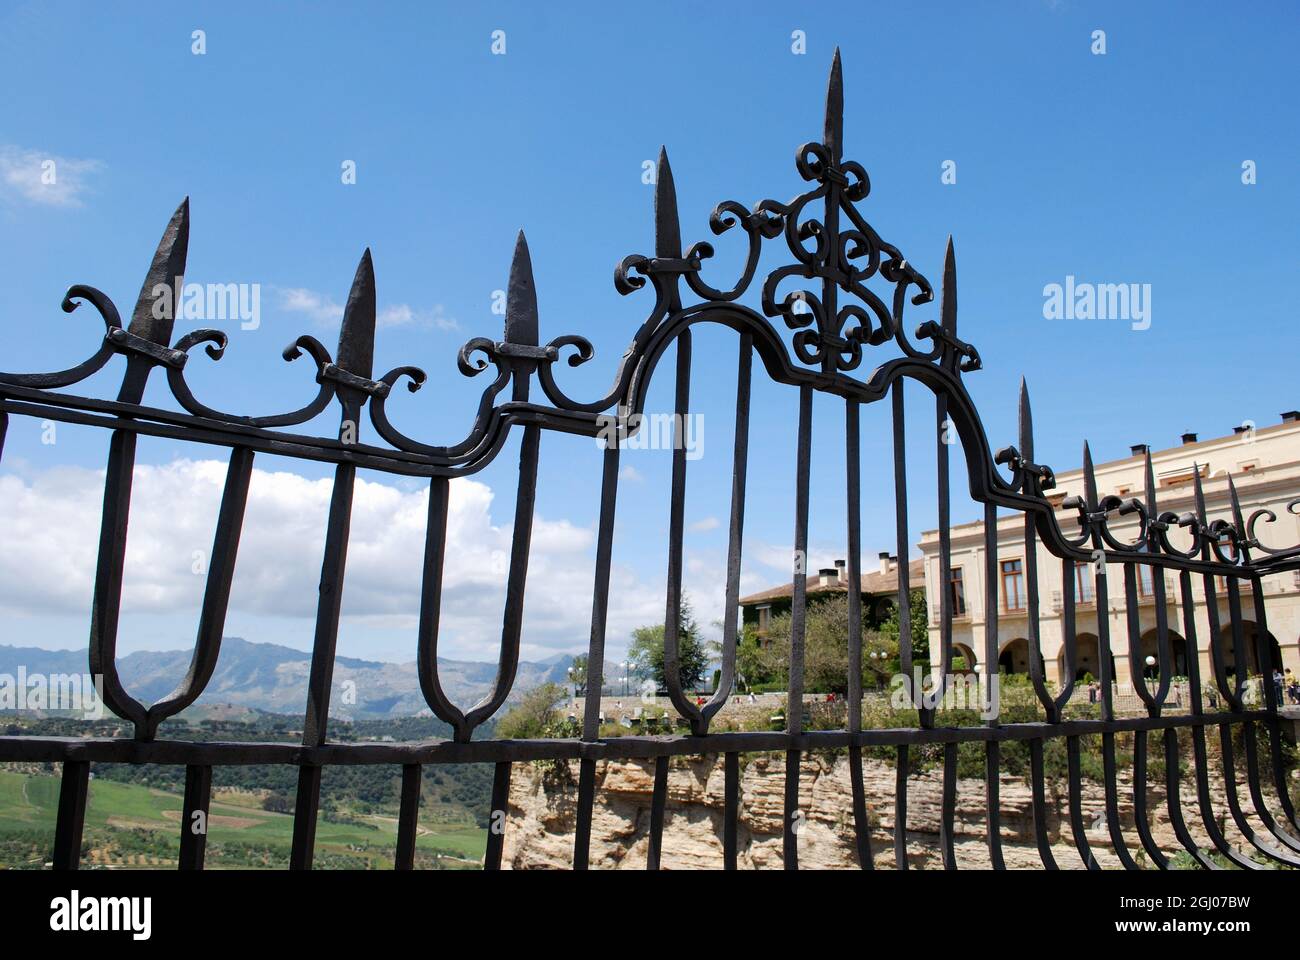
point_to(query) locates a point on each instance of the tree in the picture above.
(826, 649)
(646, 652)
(920, 615)
(752, 663)
(534, 716)
(578, 675)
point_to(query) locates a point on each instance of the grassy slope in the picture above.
(29, 803)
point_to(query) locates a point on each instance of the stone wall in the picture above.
(539, 831)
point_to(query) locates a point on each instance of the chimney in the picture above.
(893, 563)
(1240, 429)
(1189, 438)
(1138, 449)
(884, 561)
(1291, 416)
(828, 576)
(842, 567)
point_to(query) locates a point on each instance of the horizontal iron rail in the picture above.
(225, 753)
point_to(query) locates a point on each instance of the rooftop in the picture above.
(874, 583)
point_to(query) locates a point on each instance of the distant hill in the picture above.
(271, 677)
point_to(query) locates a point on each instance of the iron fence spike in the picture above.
(356, 352)
(668, 234)
(150, 319)
(1089, 478)
(833, 136)
(521, 297)
(1026, 423)
(948, 294)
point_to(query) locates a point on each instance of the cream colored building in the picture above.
(1265, 466)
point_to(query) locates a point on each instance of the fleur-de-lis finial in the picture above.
(151, 320)
(833, 134)
(356, 352)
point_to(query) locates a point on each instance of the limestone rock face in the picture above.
(543, 800)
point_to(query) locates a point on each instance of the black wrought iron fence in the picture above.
(835, 253)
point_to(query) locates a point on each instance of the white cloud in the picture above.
(320, 309)
(326, 312)
(52, 517)
(44, 178)
(781, 557)
(705, 525)
(631, 474)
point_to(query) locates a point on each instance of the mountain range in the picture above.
(272, 677)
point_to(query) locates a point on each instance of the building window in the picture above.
(764, 618)
(956, 593)
(1083, 583)
(1146, 584)
(1013, 584)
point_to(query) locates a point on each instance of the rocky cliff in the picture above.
(543, 800)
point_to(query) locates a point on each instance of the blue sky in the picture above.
(1117, 168)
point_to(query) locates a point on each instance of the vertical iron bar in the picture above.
(945, 547)
(1114, 827)
(798, 602)
(1035, 643)
(949, 810)
(730, 808)
(739, 470)
(497, 815)
(794, 697)
(853, 482)
(305, 808)
(328, 607)
(408, 817)
(676, 525)
(992, 682)
(1040, 804)
(861, 822)
(658, 801)
(596, 654)
(1140, 800)
(853, 502)
(1174, 802)
(1136, 662)
(194, 816)
(585, 800)
(109, 570)
(1076, 808)
(903, 547)
(900, 808)
(216, 593)
(521, 539)
(73, 790)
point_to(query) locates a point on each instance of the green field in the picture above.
(129, 825)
